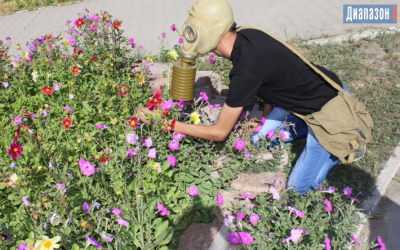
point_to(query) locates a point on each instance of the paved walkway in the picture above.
(144, 20)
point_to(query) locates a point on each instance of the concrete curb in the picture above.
(220, 240)
(354, 36)
(384, 178)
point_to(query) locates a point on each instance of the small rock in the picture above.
(155, 83)
(215, 174)
(198, 236)
(157, 69)
(256, 184)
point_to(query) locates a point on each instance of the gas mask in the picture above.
(208, 21)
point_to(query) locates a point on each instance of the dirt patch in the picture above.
(373, 48)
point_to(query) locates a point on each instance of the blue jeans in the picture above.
(314, 163)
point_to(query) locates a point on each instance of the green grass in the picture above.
(10, 6)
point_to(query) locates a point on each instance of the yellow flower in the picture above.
(86, 61)
(141, 80)
(195, 118)
(173, 54)
(156, 166)
(149, 59)
(48, 244)
(66, 42)
(110, 56)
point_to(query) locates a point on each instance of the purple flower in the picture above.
(17, 120)
(68, 108)
(173, 27)
(355, 239)
(328, 205)
(12, 166)
(87, 168)
(247, 195)
(43, 113)
(100, 126)
(164, 211)
(163, 35)
(25, 201)
(5, 84)
(61, 186)
(247, 155)
(182, 104)
(86, 207)
(133, 173)
(240, 145)
(180, 41)
(275, 194)
(178, 136)
(347, 191)
(212, 59)
(220, 199)
(234, 238)
(123, 222)
(55, 215)
(148, 142)
(8, 38)
(328, 244)
(228, 220)
(168, 104)
(302, 230)
(241, 216)
(130, 153)
(118, 212)
(87, 10)
(172, 160)
(98, 205)
(71, 41)
(133, 138)
(23, 246)
(360, 193)
(68, 22)
(330, 190)
(173, 145)
(93, 242)
(105, 237)
(254, 218)
(152, 153)
(193, 191)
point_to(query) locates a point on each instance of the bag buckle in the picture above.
(354, 144)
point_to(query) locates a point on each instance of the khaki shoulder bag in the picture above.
(343, 125)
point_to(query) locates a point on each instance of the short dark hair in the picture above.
(233, 27)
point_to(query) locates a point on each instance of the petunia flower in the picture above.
(295, 235)
(220, 199)
(360, 193)
(240, 216)
(86, 168)
(275, 194)
(172, 160)
(86, 207)
(124, 89)
(355, 239)
(254, 218)
(240, 145)
(247, 195)
(330, 190)
(48, 244)
(228, 220)
(132, 138)
(383, 247)
(328, 243)
(67, 122)
(271, 135)
(173, 27)
(105, 237)
(182, 104)
(93, 242)
(55, 215)
(133, 121)
(47, 90)
(6, 84)
(347, 191)
(328, 205)
(118, 212)
(132, 42)
(164, 211)
(155, 100)
(17, 120)
(148, 142)
(152, 153)
(180, 41)
(178, 136)
(173, 145)
(12, 166)
(95, 18)
(193, 191)
(71, 96)
(258, 129)
(15, 150)
(26, 201)
(43, 113)
(246, 238)
(70, 110)
(302, 231)
(204, 96)
(100, 126)
(212, 59)
(285, 135)
(234, 238)
(130, 153)
(168, 104)
(61, 186)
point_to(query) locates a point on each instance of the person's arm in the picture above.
(267, 108)
(218, 132)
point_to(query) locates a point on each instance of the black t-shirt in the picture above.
(266, 68)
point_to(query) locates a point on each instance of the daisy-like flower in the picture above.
(240, 145)
(195, 117)
(48, 244)
(133, 122)
(164, 211)
(34, 76)
(15, 150)
(75, 70)
(173, 54)
(117, 25)
(124, 89)
(155, 100)
(67, 122)
(57, 85)
(15, 62)
(172, 160)
(79, 22)
(87, 168)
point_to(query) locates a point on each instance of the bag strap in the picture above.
(334, 84)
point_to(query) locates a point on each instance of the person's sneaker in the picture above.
(360, 153)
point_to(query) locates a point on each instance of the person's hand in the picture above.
(143, 112)
(253, 125)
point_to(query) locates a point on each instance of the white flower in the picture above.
(34, 75)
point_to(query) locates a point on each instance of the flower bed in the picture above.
(79, 168)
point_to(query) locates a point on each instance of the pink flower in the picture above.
(328, 205)
(347, 191)
(247, 154)
(26, 201)
(130, 153)
(86, 168)
(118, 212)
(95, 18)
(123, 222)
(109, 25)
(234, 238)
(295, 235)
(100, 127)
(168, 104)
(182, 104)
(172, 160)
(275, 194)
(132, 138)
(247, 195)
(17, 120)
(193, 191)
(173, 145)
(180, 40)
(285, 135)
(246, 238)
(173, 27)
(152, 153)
(241, 216)
(140, 47)
(328, 243)
(148, 142)
(302, 230)
(204, 96)
(212, 59)
(383, 247)
(178, 136)
(330, 190)
(258, 129)
(86, 207)
(164, 211)
(228, 220)
(270, 135)
(131, 41)
(240, 145)
(353, 199)
(55, 215)
(354, 238)
(220, 199)
(15, 150)
(254, 218)
(300, 214)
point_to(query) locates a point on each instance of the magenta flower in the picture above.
(220, 199)
(69, 109)
(193, 191)
(360, 193)
(118, 212)
(140, 47)
(247, 155)
(130, 153)
(258, 129)
(172, 160)
(241, 216)
(173, 27)
(271, 135)
(25, 201)
(152, 153)
(234, 238)
(328, 243)
(353, 199)
(168, 104)
(93, 242)
(204, 96)
(164, 211)
(300, 214)
(275, 194)
(131, 41)
(87, 10)
(285, 135)
(295, 235)
(15, 150)
(330, 190)
(100, 127)
(383, 247)
(123, 222)
(302, 230)
(254, 218)
(86, 168)
(23, 246)
(55, 215)
(86, 207)
(72, 42)
(328, 205)
(133, 138)
(182, 104)
(355, 240)
(61, 186)
(246, 238)
(95, 18)
(178, 136)
(240, 145)
(148, 142)
(247, 195)
(212, 59)
(347, 191)
(17, 120)
(180, 41)
(173, 145)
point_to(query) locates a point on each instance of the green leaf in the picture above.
(75, 247)
(161, 228)
(206, 185)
